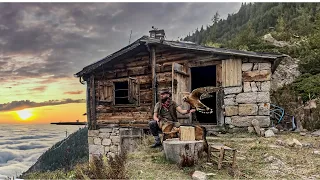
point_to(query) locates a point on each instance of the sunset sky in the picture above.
(42, 45)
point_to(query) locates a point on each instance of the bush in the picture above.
(103, 167)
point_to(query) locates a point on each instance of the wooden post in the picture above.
(209, 153)
(154, 76)
(88, 104)
(93, 102)
(219, 96)
(234, 159)
(220, 158)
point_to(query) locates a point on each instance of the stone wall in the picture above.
(104, 141)
(113, 140)
(251, 100)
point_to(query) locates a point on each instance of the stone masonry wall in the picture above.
(251, 100)
(113, 140)
(104, 141)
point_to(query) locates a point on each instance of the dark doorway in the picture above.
(201, 77)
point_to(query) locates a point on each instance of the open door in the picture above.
(180, 84)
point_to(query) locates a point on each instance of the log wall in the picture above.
(139, 67)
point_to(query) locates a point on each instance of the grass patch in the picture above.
(257, 158)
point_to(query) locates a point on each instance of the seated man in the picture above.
(165, 110)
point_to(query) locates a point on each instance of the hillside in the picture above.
(64, 154)
(288, 28)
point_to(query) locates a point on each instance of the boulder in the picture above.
(275, 130)
(256, 125)
(250, 129)
(280, 142)
(198, 175)
(316, 133)
(268, 133)
(294, 142)
(316, 152)
(262, 132)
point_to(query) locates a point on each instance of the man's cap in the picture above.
(165, 91)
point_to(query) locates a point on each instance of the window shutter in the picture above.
(100, 89)
(231, 72)
(134, 90)
(108, 91)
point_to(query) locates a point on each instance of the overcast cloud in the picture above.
(39, 39)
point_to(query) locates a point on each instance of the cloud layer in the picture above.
(18, 105)
(18, 151)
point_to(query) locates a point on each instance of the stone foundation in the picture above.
(112, 141)
(250, 101)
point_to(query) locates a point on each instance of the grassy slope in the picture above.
(64, 154)
(286, 162)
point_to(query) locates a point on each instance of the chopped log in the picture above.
(184, 153)
(187, 133)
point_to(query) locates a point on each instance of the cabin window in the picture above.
(121, 95)
(126, 92)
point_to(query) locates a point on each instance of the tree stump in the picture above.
(184, 153)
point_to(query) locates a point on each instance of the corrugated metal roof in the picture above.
(179, 45)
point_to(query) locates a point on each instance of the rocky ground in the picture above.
(283, 156)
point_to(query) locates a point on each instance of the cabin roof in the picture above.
(145, 40)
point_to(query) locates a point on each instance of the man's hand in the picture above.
(181, 111)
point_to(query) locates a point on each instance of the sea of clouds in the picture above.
(22, 145)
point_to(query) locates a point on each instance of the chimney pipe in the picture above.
(157, 34)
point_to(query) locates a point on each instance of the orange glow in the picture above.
(24, 114)
(47, 114)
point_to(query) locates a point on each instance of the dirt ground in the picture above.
(257, 158)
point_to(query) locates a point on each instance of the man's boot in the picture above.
(157, 142)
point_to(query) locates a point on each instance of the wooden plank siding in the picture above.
(231, 72)
(138, 67)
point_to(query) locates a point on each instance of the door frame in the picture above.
(220, 94)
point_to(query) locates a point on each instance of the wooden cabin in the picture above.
(123, 87)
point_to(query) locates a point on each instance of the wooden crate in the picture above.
(187, 133)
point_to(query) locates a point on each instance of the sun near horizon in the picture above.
(24, 114)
